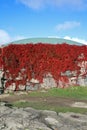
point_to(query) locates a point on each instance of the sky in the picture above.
(21, 19)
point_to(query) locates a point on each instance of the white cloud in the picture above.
(35, 4)
(38, 4)
(5, 37)
(76, 39)
(67, 25)
(71, 4)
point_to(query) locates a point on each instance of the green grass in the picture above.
(44, 106)
(78, 93)
(73, 92)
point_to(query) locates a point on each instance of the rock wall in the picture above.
(48, 82)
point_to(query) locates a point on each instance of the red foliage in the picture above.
(36, 60)
(0, 58)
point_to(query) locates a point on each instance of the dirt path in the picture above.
(54, 101)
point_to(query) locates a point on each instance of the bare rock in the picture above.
(31, 119)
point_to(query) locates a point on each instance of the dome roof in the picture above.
(45, 40)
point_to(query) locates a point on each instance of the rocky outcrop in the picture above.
(31, 119)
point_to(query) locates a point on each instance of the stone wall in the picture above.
(67, 79)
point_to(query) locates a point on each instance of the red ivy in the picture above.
(36, 60)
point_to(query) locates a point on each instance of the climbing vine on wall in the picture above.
(36, 60)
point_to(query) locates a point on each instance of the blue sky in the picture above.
(43, 18)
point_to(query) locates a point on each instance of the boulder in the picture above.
(34, 81)
(11, 87)
(82, 81)
(48, 82)
(21, 87)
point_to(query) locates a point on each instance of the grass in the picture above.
(73, 92)
(44, 106)
(78, 93)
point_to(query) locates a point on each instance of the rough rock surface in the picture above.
(31, 119)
